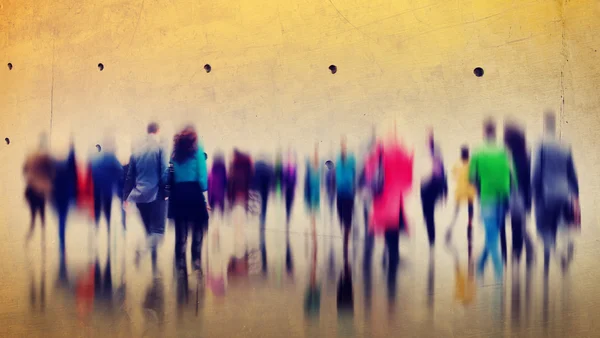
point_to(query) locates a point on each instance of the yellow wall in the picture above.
(406, 60)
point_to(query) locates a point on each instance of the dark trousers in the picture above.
(182, 228)
(289, 201)
(264, 197)
(102, 204)
(428, 199)
(37, 204)
(63, 210)
(153, 216)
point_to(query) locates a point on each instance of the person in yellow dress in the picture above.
(465, 192)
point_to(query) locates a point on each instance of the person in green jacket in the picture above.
(490, 172)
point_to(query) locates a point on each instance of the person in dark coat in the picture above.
(64, 192)
(217, 183)
(263, 177)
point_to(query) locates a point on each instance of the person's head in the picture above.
(185, 144)
(343, 146)
(316, 153)
(550, 122)
(464, 153)
(489, 129)
(514, 139)
(152, 128)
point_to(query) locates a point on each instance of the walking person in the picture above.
(312, 188)
(239, 178)
(465, 193)
(433, 187)
(217, 183)
(520, 206)
(490, 172)
(555, 187)
(64, 191)
(187, 203)
(144, 186)
(39, 174)
(263, 179)
(345, 183)
(106, 172)
(289, 184)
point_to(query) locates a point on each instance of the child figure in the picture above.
(465, 192)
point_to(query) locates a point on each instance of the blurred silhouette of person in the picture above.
(490, 172)
(388, 172)
(465, 192)
(144, 186)
(119, 192)
(239, 179)
(217, 183)
(289, 184)
(555, 187)
(64, 192)
(330, 186)
(39, 174)
(263, 177)
(433, 187)
(106, 172)
(154, 300)
(514, 139)
(103, 284)
(312, 299)
(187, 202)
(345, 182)
(277, 182)
(312, 188)
(464, 287)
(367, 270)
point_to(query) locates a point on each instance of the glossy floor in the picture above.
(290, 284)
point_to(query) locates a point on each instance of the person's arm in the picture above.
(572, 176)
(202, 171)
(129, 179)
(536, 170)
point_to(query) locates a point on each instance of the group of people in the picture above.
(180, 187)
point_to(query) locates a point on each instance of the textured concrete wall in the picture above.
(409, 61)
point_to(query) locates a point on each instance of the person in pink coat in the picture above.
(388, 215)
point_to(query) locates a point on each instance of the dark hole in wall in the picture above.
(9, 66)
(333, 69)
(207, 68)
(99, 147)
(7, 140)
(478, 71)
(100, 66)
(329, 164)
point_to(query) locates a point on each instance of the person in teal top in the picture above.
(312, 187)
(345, 180)
(187, 203)
(490, 172)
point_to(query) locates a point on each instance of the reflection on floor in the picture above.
(262, 283)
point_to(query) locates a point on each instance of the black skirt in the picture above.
(187, 202)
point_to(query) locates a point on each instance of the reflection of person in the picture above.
(188, 205)
(345, 182)
(39, 173)
(490, 170)
(312, 300)
(465, 192)
(345, 297)
(555, 186)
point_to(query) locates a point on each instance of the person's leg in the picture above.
(62, 224)
(33, 211)
(197, 237)
(392, 239)
(492, 233)
(453, 222)
(429, 210)
(517, 235)
(107, 206)
(97, 206)
(502, 231)
(145, 210)
(289, 199)
(181, 233)
(264, 194)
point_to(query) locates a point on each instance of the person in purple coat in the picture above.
(289, 184)
(217, 183)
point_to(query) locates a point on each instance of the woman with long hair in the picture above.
(188, 205)
(514, 139)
